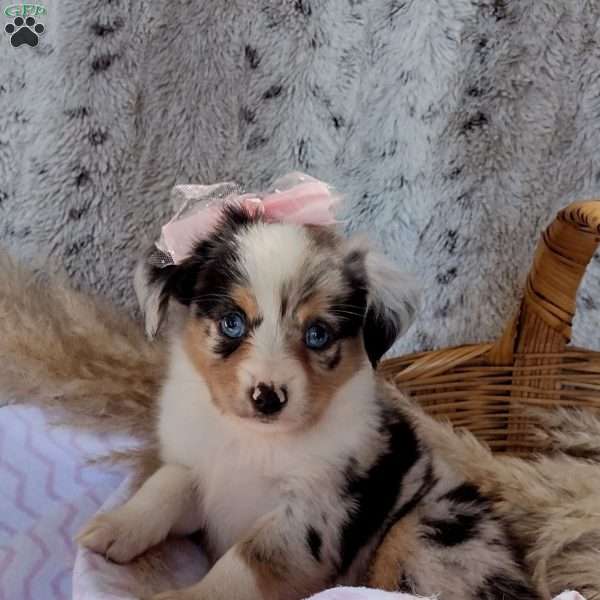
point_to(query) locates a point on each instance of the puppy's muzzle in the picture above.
(267, 400)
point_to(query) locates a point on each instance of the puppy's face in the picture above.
(280, 317)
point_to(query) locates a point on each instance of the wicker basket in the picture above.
(488, 388)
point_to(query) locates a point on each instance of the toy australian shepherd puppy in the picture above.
(272, 434)
(278, 440)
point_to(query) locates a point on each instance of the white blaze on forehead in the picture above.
(271, 256)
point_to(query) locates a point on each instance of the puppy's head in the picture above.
(278, 317)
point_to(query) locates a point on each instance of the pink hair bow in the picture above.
(295, 198)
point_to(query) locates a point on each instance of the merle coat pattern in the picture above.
(277, 439)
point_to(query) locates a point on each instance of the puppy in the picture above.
(279, 442)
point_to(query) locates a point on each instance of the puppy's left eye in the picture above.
(317, 336)
(233, 325)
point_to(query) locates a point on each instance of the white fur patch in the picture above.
(244, 472)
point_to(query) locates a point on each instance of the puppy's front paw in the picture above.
(116, 535)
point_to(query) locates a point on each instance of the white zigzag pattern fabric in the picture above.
(47, 491)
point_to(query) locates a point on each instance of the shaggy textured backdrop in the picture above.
(455, 127)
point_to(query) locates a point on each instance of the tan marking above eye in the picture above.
(245, 299)
(309, 310)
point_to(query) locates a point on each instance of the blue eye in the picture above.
(233, 325)
(317, 337)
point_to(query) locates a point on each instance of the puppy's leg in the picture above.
(165, 503)
(453, 547)
(286, 557)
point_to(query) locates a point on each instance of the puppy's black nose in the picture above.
(266, 400)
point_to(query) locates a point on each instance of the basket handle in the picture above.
(543, 321)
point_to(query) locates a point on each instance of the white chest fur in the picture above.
(243, 472)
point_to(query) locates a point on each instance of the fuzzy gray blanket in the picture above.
(456, 128)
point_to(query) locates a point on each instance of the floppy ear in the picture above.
(393, 301)
(156, 286)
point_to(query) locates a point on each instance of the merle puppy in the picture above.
(278, 440)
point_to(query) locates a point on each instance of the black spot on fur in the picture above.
(474, 92)
(482, 49)
(248, 115)
(19, 117)
(77, 113)
(302, 153)
(395, 7)
(76, 246)
(338, 121)
(75, 214)
(475, 122)
(284, 303)
(103, 29)
(504, 587)
(499, 9)
(316, 91)
(455, 530)
(303, 7)
(466, 493)
(390, 149)
(3, 196)
(450, 241)
(455, 173)
(447, 277)
(314, 542)
(97, 137)
(468, 508)
(256, 141)
(588, 302)
(252, 57)
(272, 92)
(375, 492)
(441, 312)
(82, 178)
(102, 63)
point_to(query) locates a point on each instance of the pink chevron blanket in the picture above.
(47, 492)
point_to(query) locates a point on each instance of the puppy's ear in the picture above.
(156, 286)
(393, 301)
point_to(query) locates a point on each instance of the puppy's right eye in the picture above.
(233, 325)
(317, 336)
